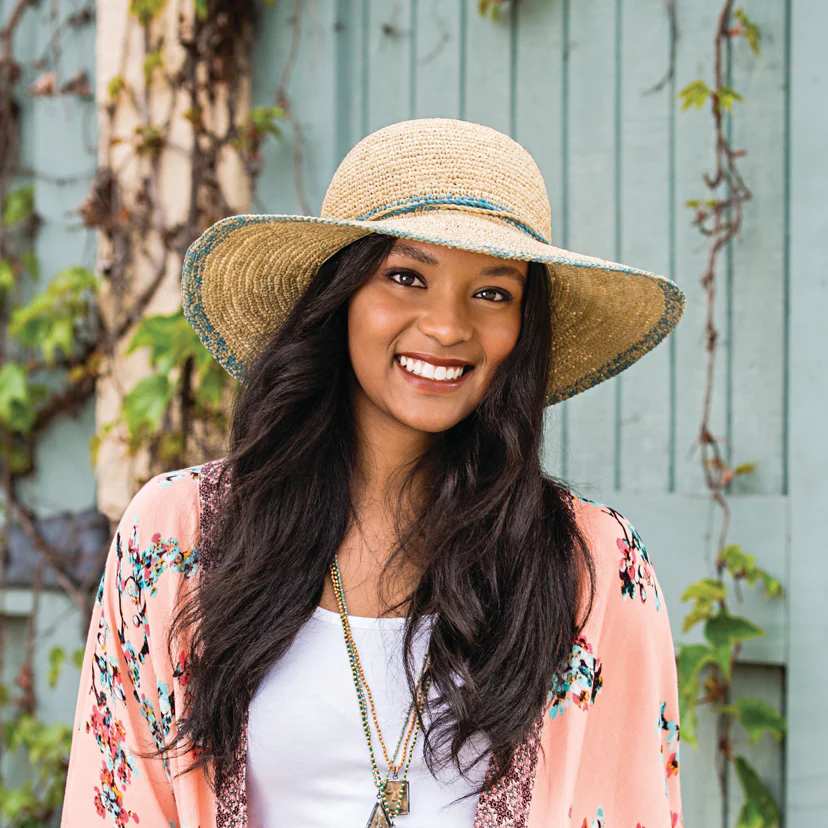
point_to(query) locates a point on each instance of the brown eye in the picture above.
(505, 296)
(405, 275)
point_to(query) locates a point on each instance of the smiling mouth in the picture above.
(436, 373)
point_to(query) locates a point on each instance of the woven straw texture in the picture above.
(442, 181)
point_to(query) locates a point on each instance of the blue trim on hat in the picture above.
(426, 202)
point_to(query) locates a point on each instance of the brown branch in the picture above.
(28, 523)
(7, 32)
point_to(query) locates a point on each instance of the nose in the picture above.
(447, 320)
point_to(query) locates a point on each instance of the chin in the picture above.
(429, 423)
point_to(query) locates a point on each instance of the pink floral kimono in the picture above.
(604, 753)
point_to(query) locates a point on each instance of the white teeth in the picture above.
(426, 369)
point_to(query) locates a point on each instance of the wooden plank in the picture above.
(645, 237)
(388, 61)
(679, 531)
(768, 685)
(591, 219)
(58, 624)
(437, 69)
(488, 74)
(64, 479)
(694, 142)
(806, 791)
(311, 90)
(350, 73)
(538, 107)
(701, 799)
(758, 344)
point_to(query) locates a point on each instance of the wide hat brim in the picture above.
(242, 276)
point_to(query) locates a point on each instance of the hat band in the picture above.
(469, 204)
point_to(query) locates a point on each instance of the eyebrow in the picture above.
(403, 249)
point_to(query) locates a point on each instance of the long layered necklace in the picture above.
(393, 793)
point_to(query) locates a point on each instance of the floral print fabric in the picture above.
(604, 753)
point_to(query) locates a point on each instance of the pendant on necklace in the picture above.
(397, 789)
(379, 817)
(394, 789)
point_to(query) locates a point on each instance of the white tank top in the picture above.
(307, 755)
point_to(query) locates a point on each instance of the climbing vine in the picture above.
(718, 218)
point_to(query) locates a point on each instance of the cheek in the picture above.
(373, 324)
(499, 341)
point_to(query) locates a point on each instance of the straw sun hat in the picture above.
(442, 181)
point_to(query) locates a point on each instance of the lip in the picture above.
(432, 385)
(434, 360)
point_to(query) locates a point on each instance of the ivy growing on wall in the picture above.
(705, 671)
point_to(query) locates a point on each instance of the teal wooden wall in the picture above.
(59, 145)
(572, 80)
(577, 83)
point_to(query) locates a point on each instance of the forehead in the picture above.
(434, 255)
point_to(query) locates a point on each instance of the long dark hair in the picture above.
(504, 566)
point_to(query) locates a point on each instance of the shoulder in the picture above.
(625, 572)
(167, 499)
(158, 532)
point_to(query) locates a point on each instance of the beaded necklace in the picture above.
(396, 790)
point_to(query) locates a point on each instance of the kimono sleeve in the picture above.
(628, 772)
(125, 701)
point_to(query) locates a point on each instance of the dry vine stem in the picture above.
(721, 221)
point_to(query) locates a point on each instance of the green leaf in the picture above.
(757, 718)
(153, 60)
(751, 31)
(705, 593)
(696, 615)
(201, 9)
(691, 659)
(115, 86)
(57, 655)
(16, 404)
(145, 10)
(6, 276)
(77, 657)
(759, 810)
(210, 388)
(707, 590)
(725, 630)
(170, 339)
(742, 565)
(31, 264)
(773, 588)
(146, 403)
(695, 94)
(726, 95)
(48, 322)
(18, 205)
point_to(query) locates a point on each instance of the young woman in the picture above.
(377, 609)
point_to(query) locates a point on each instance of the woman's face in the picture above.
(430, 327)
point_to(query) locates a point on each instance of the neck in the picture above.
(384, 449)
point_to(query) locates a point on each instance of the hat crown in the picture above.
(440, 163)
